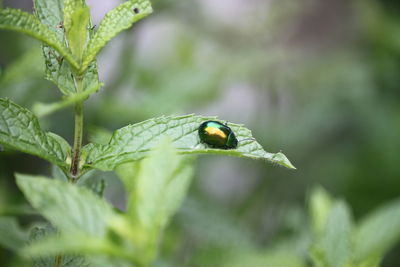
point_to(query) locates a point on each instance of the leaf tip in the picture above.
(281, 159)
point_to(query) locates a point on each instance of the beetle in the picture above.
(217, 135)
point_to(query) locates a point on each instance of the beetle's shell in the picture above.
(217, 135)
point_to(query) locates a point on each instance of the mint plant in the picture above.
(152, 158)
(339, 241)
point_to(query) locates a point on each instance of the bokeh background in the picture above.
(318, 80)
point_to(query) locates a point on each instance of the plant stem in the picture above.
(58, 261)
(78, 133)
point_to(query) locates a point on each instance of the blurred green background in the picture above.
(318, 80)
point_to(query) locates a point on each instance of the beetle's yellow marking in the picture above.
(215, 131)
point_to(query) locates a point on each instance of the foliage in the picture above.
(316, 79)
(338, 241)
(150, 157)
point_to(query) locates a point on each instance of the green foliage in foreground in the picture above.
(151, 158)
(339, 241)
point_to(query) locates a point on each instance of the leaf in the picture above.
(50, 12)
(378, 232)
(118, 19)
(95, 181)
(17, 20)
(160, 186)
(50, 245)
(41, 235)
(335, 241)
(82, 218)
(58, 71)
(76, 21)
(320, 205)
(20, 129)
(95, 249)
(41, 109)
(72, 209)
(11, 235)
(133, 142)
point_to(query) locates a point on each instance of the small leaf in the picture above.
(41, 109)
(11, 235)
(17, 20)
(50, 12)
(20, 129)
(76, 21)
(70, 208)
(120, 18)
(378, 232)
(133, 142)
(320, 205)
(58, 71)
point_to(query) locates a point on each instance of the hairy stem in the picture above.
(78, 133)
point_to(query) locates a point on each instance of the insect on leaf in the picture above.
(133, 142)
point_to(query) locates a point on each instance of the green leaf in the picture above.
(70, 208)
(320, 205)
(82, 218)
(41, 109)
(161, 184)
(50, 245)
(11, 235)
(20, 129)
(95, 181)
(58, 71)
(95, 249)
(41, 235)
(50, 12)
(120, 18)
(133, 142)
(378, 232)
(76, 21)
(17, 20)
(335, 241)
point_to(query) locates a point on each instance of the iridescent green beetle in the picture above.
(217, 135)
